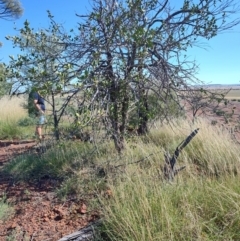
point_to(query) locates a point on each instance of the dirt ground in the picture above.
(226, 116)
(37, 215)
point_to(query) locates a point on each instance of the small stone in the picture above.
(82, 209)
(45, 219)
(109, 193)
(13, 226)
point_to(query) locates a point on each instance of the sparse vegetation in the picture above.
(119, 89)
(27, 121)
(201, 204)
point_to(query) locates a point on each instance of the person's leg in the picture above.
(41, 121)
(39, 131)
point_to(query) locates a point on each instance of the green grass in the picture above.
(57, 162)
(10, 130)
(199, 209)
(5, 209)
(11, 119)
(66, 162)
(203, 203)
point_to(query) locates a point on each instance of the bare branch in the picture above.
(10, 9)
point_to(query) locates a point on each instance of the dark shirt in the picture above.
(40, 100)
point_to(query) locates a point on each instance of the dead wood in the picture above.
(88, 233)
(169, 166)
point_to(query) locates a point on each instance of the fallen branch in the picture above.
(85, 234)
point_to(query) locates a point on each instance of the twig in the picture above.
(142, 159)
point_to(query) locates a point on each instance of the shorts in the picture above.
(40, 119)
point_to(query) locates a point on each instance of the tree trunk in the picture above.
(55, 119)
(118, 142)
(114, 98)
(143, 114)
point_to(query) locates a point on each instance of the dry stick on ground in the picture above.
(85, 234)
(168, 169)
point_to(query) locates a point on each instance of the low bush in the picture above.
(27, 121)
(10, 130)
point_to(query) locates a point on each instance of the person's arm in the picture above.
(38, 107)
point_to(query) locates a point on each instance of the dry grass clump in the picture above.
(11, 108)
(143, 209)
(202, 203)
(211, 152)
(12, 114)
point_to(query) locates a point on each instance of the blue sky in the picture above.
(219, 64)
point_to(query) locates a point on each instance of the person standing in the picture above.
(37, 102)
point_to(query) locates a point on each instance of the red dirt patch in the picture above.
(38, 214)
(9, 149)
(226, 116)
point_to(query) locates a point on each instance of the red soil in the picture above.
(38, 214)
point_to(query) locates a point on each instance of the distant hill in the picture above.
(223, 85)
(220, 86)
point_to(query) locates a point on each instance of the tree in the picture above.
(203, 101)
(4, 85)
(10, 9)
(132, 49)
(124, 54)
(43, 65)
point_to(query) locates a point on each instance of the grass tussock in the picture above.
(5, 209)
(12, 108)
(143, 209)
(10, 130)
(212, 151)
(202, 203)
